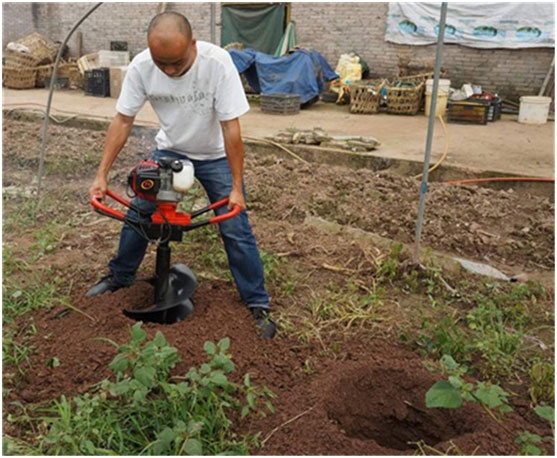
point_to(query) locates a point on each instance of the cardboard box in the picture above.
(117, 75)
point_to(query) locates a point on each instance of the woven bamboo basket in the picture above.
(40, 47)
(405, 99)
(365, 96)
(44, 72)
(18, 77)
(421, 78)
(12, 59)
(71, 70)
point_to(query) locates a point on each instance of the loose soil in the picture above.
(365, 397)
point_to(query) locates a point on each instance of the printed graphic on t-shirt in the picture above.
(195, 100)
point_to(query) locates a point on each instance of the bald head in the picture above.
(170, 22)
(173, 48)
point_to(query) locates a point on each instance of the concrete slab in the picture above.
(504, 146)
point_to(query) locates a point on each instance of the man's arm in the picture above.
(116, 137)
(234, 148)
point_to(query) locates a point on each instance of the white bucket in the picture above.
(533, 109)
(442, 96)
(444, 86)
(440, 107)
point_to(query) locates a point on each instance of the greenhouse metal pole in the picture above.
(431, 123)
(50, 94)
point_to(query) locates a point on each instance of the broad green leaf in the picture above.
(443, 394)
(449, 363)
(145, 375)
(218, 378)
(120, 363)
(210, 348)
(490, 395)
(193, 447)
(204, 369)
(531, 450)
(138, 334)
(160, 340)
(247, 382)
(224, 344)
(546, 412)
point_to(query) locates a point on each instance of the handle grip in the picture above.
(100, 207)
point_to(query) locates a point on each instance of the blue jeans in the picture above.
(239, 242)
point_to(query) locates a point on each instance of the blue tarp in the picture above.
(301, 72)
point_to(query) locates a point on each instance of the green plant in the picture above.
(542, 381)
(497, 345)
(389, 266)
(145, 410)
(451, 393)
(530, 444)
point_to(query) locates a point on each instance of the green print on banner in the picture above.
(528, 33)
(485, 31)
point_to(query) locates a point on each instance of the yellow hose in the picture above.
(444, 153)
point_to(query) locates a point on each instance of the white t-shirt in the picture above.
(189, 108)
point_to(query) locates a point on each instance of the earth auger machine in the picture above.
(164, 182)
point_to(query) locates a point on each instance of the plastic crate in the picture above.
(280, 103)
(118, 45)
(494, 110)
(468, 112)
(97, 82)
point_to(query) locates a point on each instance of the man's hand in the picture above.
(237, 198)
(116, 137)
(98, 189)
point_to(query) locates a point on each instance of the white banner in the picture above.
(478, 25)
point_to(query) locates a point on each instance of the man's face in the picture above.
(174, 57)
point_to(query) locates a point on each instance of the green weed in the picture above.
(542, 382)
(455, 390)
(145, 410)
(487, 325)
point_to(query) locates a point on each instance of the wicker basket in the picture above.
(421, 78)
(18, 77)
(40, 47)
(365, 96)
(44, 72)
(405, 98)
(71, 70)
(13, 59)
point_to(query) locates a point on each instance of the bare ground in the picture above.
(365, 397)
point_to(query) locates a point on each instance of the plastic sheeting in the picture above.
(477, 25)
(301, 72)
(259, 27)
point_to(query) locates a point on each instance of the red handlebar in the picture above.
(166, 213)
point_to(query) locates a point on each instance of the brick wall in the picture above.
(330, 28)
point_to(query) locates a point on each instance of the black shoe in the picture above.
(105, 284)
(267, 329)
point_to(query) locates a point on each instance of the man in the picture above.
(197, 94)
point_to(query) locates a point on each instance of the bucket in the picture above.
(533, 109)
(442, 96)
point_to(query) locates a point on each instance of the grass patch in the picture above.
(144, 410)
